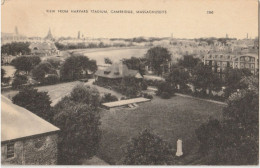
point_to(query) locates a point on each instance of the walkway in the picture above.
(208, 100)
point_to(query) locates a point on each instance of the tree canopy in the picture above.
(37, 102)
(16, 48)
(235, 139)
(25, 63)
(156, 57)
(40, 71)
(78, 118)
(76, 67)
(148, 149)
(136, 64)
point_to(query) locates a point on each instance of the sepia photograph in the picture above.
(130, 82)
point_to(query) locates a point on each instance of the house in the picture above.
(43, 48)
(26, 139)
(116, 72)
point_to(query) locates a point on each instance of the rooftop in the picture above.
(17, 122)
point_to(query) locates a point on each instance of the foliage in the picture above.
(148, 96)
(148, 149)
(178, 76)
(78, 118)
(203, 78)
(51, 79)
(136, 64)
(37, 102)
(4, 79)
(16, 48)
(108, 97)
(25, 63)
(236, 140)
(232, 78)
(41, 70)
(107, 60)
(165, 90)
(76, 67)
(19, 80)
(86, 95)
(80, 134)
(188, 62)
(156, 57)
(55, 63)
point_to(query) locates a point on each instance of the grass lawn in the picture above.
(172, 119)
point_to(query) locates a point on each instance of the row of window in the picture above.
(225, 64)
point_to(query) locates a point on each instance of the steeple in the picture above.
(49, 35)
(79, 35)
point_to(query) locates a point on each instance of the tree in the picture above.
(16, 48)
(86, 95)
(188, 62)
(78, 118)
(76, 67)
(136, 64)
(37, 102)
(25, 63)
(234, 140)
(203, 78)
(178, 76)
(232, 79)
(148, 149)
(165, 90)
(156, 57)
(108, 97)
(55, 63)
(19, 81)
(107, 60)
(4, 79)
(40, 71)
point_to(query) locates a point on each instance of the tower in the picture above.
(79, 35)
(16, 30)
(247, 36)
(49, 35)
(226, 35)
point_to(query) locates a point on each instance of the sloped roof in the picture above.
(43, 46)
(17, 122)
(117, 70)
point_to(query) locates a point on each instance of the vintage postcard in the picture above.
(129, 82)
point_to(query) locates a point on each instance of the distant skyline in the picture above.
(184, 18)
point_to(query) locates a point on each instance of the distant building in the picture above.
(220, 61)
(43, 48)
(49, 36)
(26, 139)
(116, 72)
(12, 37)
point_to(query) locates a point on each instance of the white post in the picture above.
(179, 148)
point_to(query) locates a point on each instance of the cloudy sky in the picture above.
(184, 18)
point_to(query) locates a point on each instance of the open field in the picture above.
(172, 119)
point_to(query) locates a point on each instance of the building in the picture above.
(220, 61)
(116, 72)
(12, 37)
(43, 48)
(26, 139)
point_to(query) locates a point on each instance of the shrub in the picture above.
(108, 98)
(165, 90)
(19, 80)
(51, 79)
(144, 85)
(148, 96)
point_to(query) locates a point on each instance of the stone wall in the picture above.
(41, 150)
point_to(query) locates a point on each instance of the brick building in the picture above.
(26, 139)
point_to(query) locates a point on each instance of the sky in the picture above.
(184, 18)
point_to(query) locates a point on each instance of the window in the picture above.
(10, 150)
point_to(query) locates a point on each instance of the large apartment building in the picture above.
(220, 61)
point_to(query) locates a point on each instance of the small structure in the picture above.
(128, 102)
(179, 148)
(26, 139)
(116, 72)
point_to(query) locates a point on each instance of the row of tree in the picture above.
(16, 48)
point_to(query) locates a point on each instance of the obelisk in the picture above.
(179, 148)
